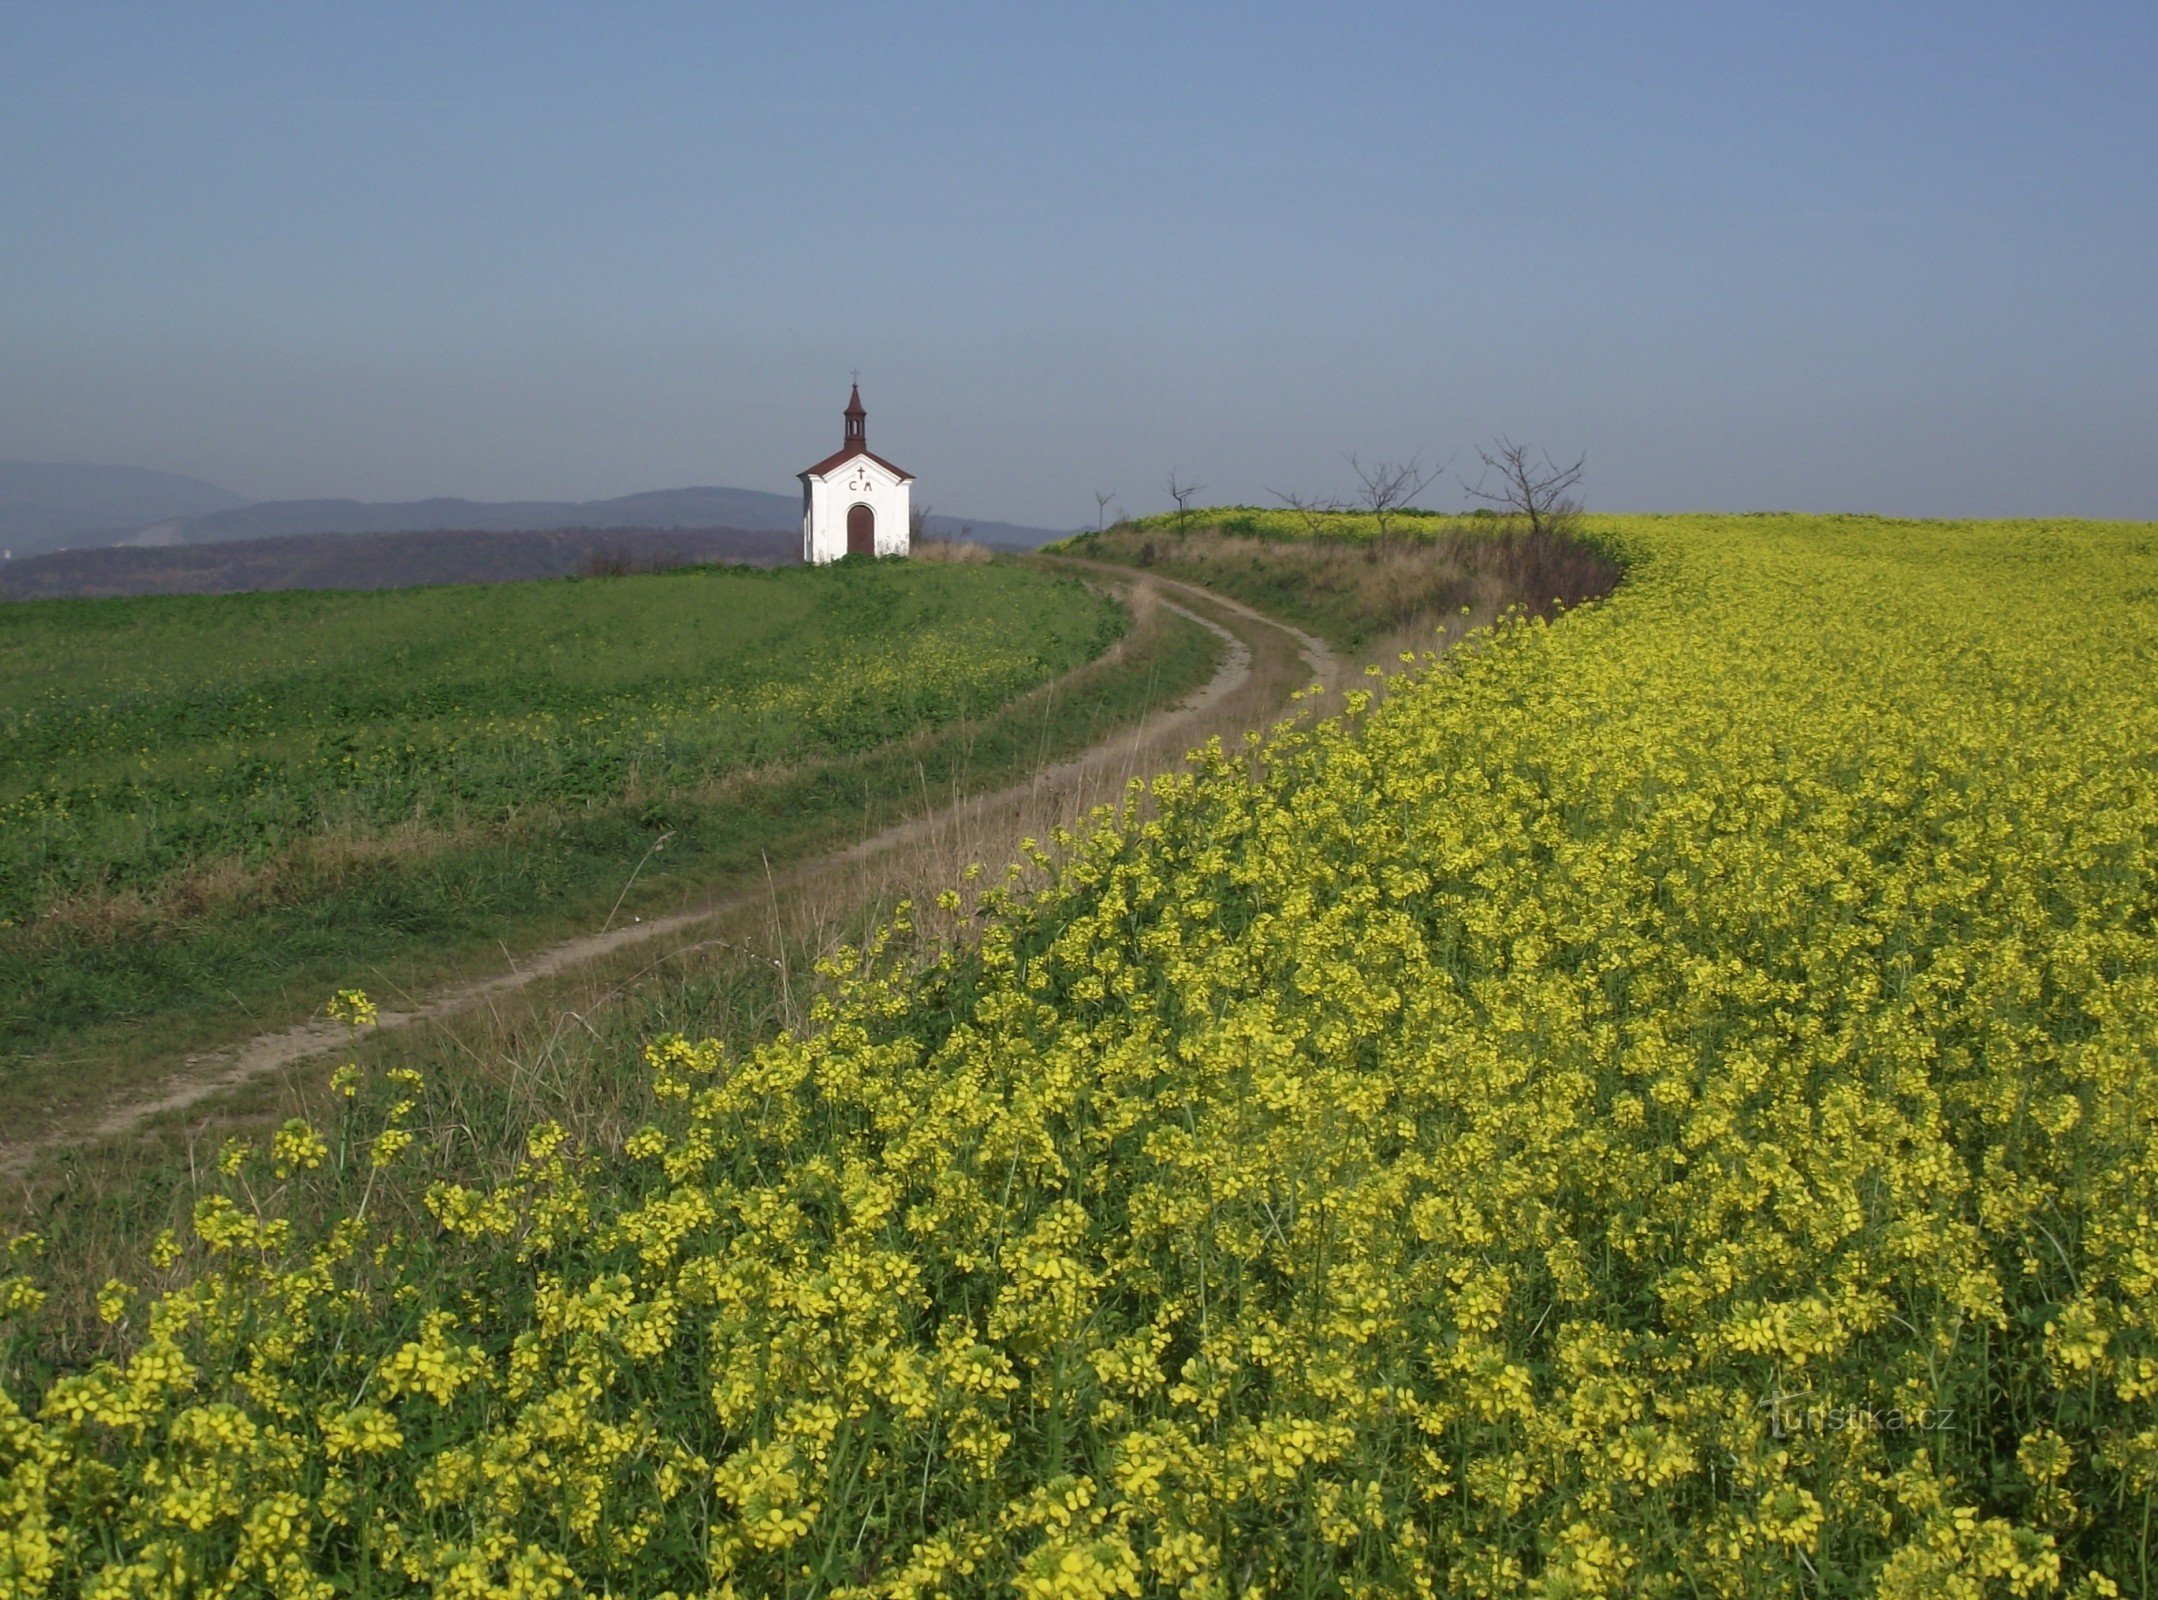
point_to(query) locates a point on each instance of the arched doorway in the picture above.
(861, 531)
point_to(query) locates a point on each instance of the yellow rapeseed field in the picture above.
(1662, 1105)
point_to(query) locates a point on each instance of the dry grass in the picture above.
(962, 551)
(227, 883)
(1371, 596)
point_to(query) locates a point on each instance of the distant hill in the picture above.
(45, 505)
(746, 509)
(382, 560)
(749, 509)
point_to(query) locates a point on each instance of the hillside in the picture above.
(48, 506)
(667, 508)
(1444, 576)
(1659, 1103)
(204, 797)
(45, 505)
(379, 560)
(748, 509)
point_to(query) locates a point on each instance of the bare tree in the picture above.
(918, 523)
(1535, 487)
(1182, 493)
(1389, 487)
(1311, 510)
(1102, 497)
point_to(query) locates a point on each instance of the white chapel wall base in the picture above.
(858, 482)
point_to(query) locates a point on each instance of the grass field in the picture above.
(209, 805)
(1659, 1105)
(1351, 585)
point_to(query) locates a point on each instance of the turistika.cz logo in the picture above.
(1794, 1414)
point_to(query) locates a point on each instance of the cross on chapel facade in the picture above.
(855, 503)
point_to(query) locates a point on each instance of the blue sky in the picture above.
(1865, 257)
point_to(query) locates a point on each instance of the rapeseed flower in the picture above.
(1658, 1103)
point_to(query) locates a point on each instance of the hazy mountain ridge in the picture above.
(47, 507)
(48, 504)
(748, 509)
(702, 506)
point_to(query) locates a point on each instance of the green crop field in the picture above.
(204, 800)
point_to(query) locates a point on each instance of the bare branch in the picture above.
(918, 523)
(1535, 487)
(1182, 493)
(1389, 487)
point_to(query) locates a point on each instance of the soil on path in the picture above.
(1262, 653)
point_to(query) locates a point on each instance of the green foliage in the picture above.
(144, 737)
(203, 795)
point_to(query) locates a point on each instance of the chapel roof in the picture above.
(855, 444)
(845, 454)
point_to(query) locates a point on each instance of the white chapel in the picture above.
(854, 503)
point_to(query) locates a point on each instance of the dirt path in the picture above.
(1094, 775)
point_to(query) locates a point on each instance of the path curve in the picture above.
(201, 1076)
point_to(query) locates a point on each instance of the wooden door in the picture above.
(861, 531)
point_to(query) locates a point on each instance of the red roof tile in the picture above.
(846, 453)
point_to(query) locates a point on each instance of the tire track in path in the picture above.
(1088, 778)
